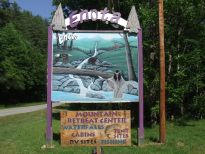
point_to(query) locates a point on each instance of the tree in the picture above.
(130, 66)
(13, 57)
(23, 39)
(20, 64)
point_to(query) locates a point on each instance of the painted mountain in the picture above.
(95, 67)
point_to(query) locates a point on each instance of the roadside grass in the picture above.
(25, 104)
(25, 134)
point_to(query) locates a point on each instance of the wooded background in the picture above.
(23, 53)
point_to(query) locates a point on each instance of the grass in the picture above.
(118, 58)
(4, 105)
(25, 134)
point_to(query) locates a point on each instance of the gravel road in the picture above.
(18, 110)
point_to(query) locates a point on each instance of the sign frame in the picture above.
(60, 69)
(132, 26)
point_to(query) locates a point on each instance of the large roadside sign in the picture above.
(95, 66)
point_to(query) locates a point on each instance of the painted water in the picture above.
(108, 97)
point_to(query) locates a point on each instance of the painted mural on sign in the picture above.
(93, 67)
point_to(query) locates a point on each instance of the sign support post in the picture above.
(141, 97)
(49, 131)
(134, 27)
(58, 23)
(162, 75)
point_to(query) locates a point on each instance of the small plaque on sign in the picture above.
(95, 128)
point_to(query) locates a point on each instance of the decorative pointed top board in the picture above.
(133, 24)
(58, 22)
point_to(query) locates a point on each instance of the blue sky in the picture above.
(37, 7)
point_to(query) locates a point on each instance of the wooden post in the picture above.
(49, 132)
(133, 26)
(141, 90)
(162, 74)
(98, 148)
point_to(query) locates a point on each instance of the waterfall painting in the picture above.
(94, 67)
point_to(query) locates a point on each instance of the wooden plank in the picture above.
(133, 24)
(58, 21)
(96, 128)
(64, 70)
(162, 129)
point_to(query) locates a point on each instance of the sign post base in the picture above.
(49, 138)
(140, 138)
(98, 150)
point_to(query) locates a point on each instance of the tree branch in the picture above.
(63, 70)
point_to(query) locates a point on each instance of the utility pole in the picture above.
(162, 75)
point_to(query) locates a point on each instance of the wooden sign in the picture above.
(96, 128)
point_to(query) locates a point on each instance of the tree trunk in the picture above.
(182, 109)
(170, 63)
(57, 39)
(71, 44)
(130, 66)
(65, 45)
(74, 71)
(178, 66)
(109, 4)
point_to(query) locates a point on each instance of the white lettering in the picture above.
(64, 37)
(74, 19)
